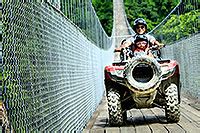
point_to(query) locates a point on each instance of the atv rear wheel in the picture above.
(172, 111)
(116, 114)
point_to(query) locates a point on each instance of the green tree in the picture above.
(179, 26)
(152, 11)
(104, 10)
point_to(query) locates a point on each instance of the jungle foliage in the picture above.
(104, 10)
(153, 12)
(183, 22)
(179, 26)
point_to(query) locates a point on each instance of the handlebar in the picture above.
(155, 47)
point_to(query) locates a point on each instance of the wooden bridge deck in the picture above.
(148, 120)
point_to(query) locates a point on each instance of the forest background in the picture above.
(181, 25)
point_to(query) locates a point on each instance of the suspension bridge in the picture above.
(53, 58)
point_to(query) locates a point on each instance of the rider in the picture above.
(141, 46)
(140, 28)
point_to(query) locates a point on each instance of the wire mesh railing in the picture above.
(182, 22)
(187, 53)
(52, 74)
(82, 13)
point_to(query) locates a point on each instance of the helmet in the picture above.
(139, 21)
(141, 38)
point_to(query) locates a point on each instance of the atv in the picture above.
(142, 82)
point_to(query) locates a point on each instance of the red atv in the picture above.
(142, 82)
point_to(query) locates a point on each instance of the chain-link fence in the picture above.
(187, 53)
(82, 13)
(180, 29)
(52, 73)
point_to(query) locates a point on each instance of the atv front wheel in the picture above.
(172, 111)
(116, 115)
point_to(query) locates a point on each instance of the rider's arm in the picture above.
(124, 44)
(160, 45)
(154, 42)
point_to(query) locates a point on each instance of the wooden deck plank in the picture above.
(195, 120)
(158, 128)
(191, 101)
(193, 113)
(138, 120)
(127, 130)
(101, 122)
(153, 121)
(97, 130)
(185, 123)
(136, 117)
(112, 130)
(188, 126)
(143, 129)
(160, 114)
(174, 128)
(147, 120)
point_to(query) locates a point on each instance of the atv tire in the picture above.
(116, 115)
(172, 111)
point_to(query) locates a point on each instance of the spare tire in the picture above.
(142, 73)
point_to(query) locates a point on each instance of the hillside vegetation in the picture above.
(153, 12)
(182, 23)
(104, 10)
